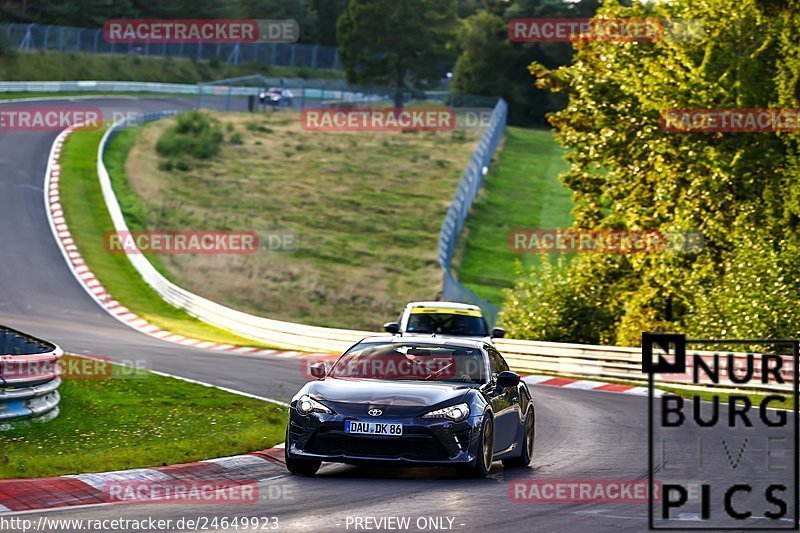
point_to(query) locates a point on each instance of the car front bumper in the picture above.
(424, 441)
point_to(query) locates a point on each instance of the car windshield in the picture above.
(416, 362)
(447, 324)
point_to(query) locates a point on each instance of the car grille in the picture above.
(410, 446)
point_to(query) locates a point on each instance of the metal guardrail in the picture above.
(467, 190)
(29, 376)
(618, 363)
(101, 86)
(91, 41)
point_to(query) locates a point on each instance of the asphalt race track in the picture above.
(581, 435)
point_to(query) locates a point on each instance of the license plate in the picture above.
(373, 428)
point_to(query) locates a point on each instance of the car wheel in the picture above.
(302, 467)
(529, 435)
(485, 455)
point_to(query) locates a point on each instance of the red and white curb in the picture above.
(95, 289)
(19, 495)
(583, 384)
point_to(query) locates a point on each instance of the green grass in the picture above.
(521, 191)
(143, 421)
(66, 66)
(365, 206)
(89, 221)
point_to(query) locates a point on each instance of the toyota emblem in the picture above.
(375, 412)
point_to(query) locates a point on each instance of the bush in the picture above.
(564, 302)
(236, 138)
(195, 134)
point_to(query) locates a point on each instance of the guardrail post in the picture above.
(25, 44)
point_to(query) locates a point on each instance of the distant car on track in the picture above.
(413, 401)
(443, 318)
(275, 96)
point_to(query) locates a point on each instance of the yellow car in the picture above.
(447, 319)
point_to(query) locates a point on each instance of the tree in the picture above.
(489, 64)
(301, 11)
(391, 42)
(328, 13)
(739, 189)
(484, 51)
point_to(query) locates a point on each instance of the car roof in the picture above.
(432, 340)
(445, 305)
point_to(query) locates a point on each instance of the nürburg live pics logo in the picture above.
(723, 436)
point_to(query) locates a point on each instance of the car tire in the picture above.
(528, 438)
(484, 457)
(301, 467)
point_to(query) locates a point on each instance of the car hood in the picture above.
(395, 398)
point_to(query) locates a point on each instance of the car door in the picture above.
(505, 403)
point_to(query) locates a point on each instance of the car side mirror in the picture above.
(392, 327)
(498, 333)
(507, 379)
(318, 370)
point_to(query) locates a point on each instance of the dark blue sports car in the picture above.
(413, 401)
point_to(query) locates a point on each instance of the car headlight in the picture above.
(454, 413)
(306, 404)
